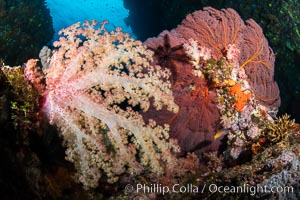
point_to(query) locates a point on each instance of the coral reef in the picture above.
(278, 19)
(24, 100)
(241, 113)
(4, 104)
(129, 112)
(287, 178)
(231, 65)
(275, 166)
(27, 170)
(273, 173)
(25, 27)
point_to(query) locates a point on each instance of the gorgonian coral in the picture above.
(216, 29)
(198, 116)
(234, 60)
(95, 83)
(243, 115)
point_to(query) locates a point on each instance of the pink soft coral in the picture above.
(94, 81)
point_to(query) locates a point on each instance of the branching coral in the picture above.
(279, 130)
(94, 83)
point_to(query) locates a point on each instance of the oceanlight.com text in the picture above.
(207, 188)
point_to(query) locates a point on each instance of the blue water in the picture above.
(67, 12)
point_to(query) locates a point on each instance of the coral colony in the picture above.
(94, 80)
(128, 109)
(227, 83)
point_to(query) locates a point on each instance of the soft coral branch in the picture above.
(94, 81)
